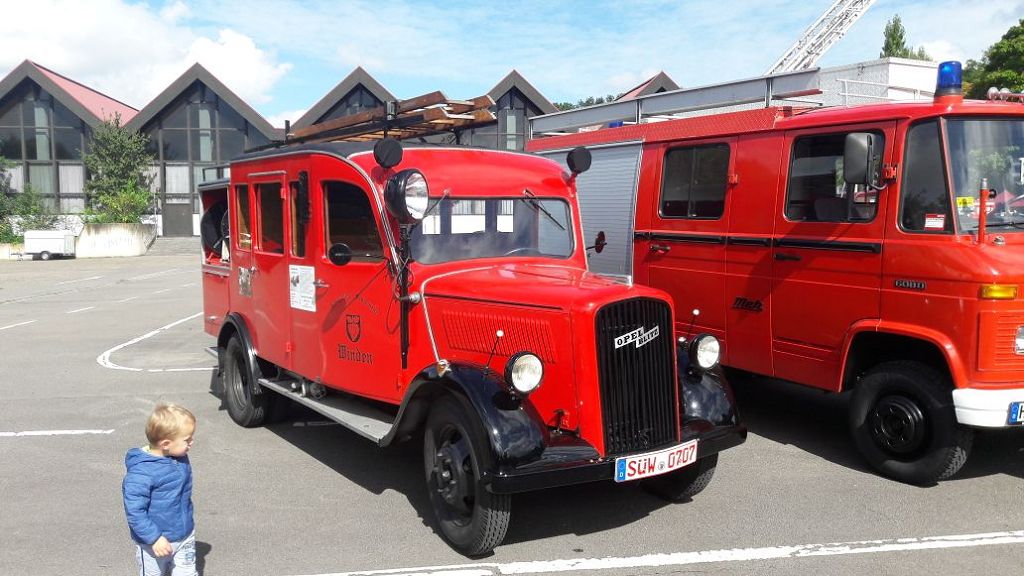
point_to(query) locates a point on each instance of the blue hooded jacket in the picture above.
(157, 496)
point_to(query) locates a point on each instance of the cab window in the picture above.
(817, 191)
(694, 182)
(924, 202)
(244, 239)
(299, 206)
(350, 221)
(271, 232)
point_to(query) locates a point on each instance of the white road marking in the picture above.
(154, 274)
(104, 358)
(128, 299)
(189, 284)
(80, 310)
(53, 433)
(676, 559)
(16, 325)
(78, 280)
(162, 291)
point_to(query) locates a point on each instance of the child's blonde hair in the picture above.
(168, 421)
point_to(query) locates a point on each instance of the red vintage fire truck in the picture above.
(874, 249)
(444, 294)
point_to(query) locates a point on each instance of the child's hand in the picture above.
(162, 547)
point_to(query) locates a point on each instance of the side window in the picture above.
(243, 218)
(299, 205)
(817, 191)
(924, 196)
(271, 232)
(694, 182)
(349, 220)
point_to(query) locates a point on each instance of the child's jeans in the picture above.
(180, 562)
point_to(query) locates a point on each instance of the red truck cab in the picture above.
(447, 291)
(876, 249)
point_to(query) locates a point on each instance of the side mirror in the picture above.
(578, 160)
(339, 254)
(858, 159)
(599, 243)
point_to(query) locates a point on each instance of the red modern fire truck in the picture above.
(872, 248)
(444, 293)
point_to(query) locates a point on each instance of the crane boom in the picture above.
(820, 36)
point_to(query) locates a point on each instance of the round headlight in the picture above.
(704, 351)
(416, 197)
(524, 372)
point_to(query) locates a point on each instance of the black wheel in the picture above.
(682, 485)
(44, 255)
(455, 452)
(244, 407)
(903, 422)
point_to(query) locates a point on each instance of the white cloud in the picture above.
(130, 51)
(277, 120)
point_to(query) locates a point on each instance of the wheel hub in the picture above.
(898, 424)
(453, 475)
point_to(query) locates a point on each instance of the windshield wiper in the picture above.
(531, 201)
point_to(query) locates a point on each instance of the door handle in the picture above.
(788, 257)
(318, 283)
(659, 248)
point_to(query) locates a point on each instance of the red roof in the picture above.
(103, 106)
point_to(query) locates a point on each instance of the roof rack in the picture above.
(425, 115)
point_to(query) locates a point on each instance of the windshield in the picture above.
(464, 229)
(989, 153)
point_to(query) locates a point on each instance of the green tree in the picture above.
(118, 188)
(21, 211)
(584, 102)
(895, 44)
(1002, 65)
(6, 204)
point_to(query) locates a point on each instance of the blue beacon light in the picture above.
(950, 82)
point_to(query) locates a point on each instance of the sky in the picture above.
(283, 56)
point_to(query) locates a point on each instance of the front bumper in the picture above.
(985, 408)
(576, 462)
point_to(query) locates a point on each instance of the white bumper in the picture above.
(986, 408)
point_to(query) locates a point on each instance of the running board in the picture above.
(353, 414)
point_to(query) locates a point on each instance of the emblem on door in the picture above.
(353, 327)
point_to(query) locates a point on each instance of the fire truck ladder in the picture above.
(820, 36)
(638, 110)
(425, 115)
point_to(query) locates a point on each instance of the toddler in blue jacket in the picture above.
(157, 492)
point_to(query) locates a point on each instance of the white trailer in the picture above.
(46, 244)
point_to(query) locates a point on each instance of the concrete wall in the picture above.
(109, 240)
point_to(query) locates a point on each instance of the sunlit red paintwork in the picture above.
(812, 316)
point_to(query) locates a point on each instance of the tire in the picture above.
(455, 452)
(683, 485)
(903, 422)
(44, 255)
(244, 407)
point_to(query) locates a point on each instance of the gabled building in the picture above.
(656, 84)
(355, 93)
(515, 100)
(46, 122)
(194, 124)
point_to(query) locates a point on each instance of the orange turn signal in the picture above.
(998, 292)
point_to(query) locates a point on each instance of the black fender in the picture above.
(705, 395)
(235, 325)
(516, 432)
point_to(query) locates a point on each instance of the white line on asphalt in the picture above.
(78, 280)
(104, 359)
(676, 559)
(127, 299)
(189, 284)
(154, 274)
(53, 433)
(80, 310)
(162, 291)
(16, 325)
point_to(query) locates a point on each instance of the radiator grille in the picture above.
(635, 356)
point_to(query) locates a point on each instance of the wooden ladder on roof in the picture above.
(424, 115)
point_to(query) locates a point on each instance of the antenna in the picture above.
(497, 337)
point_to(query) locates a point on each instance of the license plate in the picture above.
(1016, 413)
(653, 463)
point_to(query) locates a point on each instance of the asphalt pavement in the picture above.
(87, 347)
